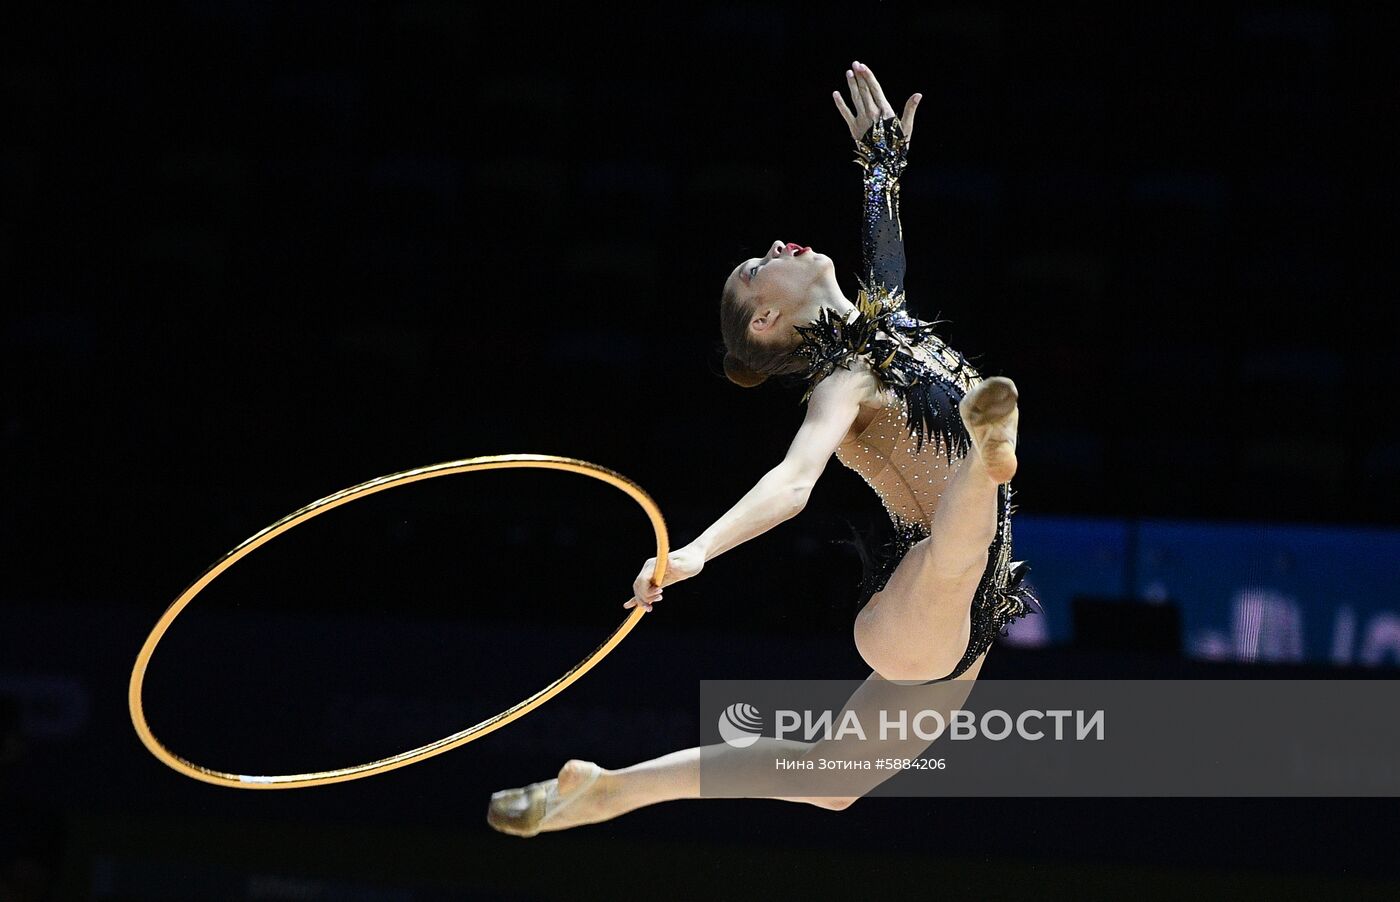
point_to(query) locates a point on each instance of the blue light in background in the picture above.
(1247, 592)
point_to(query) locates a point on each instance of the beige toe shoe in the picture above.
(526, 811)
(990, 412)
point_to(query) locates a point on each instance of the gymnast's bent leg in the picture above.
(918, 627)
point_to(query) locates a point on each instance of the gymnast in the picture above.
(934, 439)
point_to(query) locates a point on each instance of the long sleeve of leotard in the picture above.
(881, 153)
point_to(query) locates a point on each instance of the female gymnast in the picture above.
(893, 402)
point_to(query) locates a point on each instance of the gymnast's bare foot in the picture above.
(990, 413)
(579, 795)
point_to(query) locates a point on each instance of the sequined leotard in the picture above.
(908, 451)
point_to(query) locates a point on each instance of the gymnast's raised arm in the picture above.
(882, 143)
(779, 495)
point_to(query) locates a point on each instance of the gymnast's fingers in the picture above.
(632, 603)
(853, 85)
(643, 592)
(846, 114)
(911, 106)
(876, 93)
(646, 600)
(867, 101)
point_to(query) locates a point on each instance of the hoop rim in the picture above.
(329, 502)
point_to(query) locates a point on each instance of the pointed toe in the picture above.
(525, 811)
(517, 811)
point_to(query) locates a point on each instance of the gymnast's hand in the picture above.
(870, 103)
(683, 563)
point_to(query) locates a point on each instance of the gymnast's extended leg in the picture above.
(732, 773)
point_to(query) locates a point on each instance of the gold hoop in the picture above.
(315, 508)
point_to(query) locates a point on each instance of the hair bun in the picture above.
(740, 374)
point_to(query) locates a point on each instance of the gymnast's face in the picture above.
(785, 287)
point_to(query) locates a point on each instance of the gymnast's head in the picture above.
(764, 298)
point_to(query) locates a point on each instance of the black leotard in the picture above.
(909, 449)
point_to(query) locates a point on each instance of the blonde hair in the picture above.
(748, 360)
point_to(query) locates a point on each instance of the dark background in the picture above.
(253, 254)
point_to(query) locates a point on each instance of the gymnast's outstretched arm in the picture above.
(779, 495)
